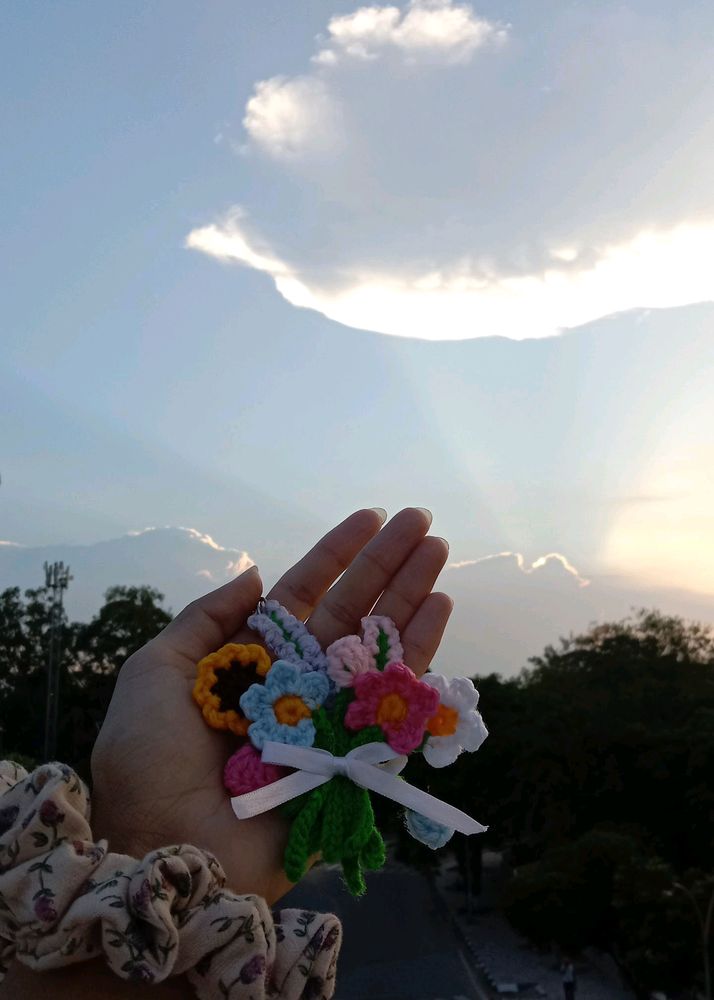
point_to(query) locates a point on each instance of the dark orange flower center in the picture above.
(444, 723)
(392, 708)
(290, 709)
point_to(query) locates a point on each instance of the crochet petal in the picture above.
(438, 682)
(282, 677)
(301, 735)
(386, 647)
(313, 688)
(346, 658)
(255, 701)
(440, 751)
(426, 830)
(462, 693)
(423, 697)
(360, 714)
(370, 684)
(403, 738)
(472, 731)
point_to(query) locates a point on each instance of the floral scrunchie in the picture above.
(65, 898)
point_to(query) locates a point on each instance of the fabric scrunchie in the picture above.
(65, 898)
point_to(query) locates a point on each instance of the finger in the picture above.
(209, 622)
(413, 583)
(301, 587)
(425, 631)
(355, 593)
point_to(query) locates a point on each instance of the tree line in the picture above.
(596, 779)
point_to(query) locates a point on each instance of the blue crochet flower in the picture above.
(426, 830)
(281, 709)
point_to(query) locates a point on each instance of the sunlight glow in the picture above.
(657, 269)
(669, 542)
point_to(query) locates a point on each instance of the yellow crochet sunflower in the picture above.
(222, 678)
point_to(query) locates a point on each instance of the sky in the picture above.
(267, 263)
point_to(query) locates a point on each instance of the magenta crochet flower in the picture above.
(245, 771)
(397, 702)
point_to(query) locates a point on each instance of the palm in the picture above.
(158, 768)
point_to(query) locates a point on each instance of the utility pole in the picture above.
(57, 580)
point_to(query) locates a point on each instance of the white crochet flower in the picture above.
(457, 725)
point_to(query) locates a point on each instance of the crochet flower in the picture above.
(245, 771)
(395, 700)
(456, 725)
(350, 656)
(426, 830)
(346, 658)
(380, 638)
(281, 710)
(222, 678)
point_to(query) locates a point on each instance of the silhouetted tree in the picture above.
(93, 655)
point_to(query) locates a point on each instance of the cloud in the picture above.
(525, 567)
(437, 29)
(240, 565)
(292, 117)
(506, 609)
(434, 174)
(174, 559)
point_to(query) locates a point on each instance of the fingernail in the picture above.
(429, 515)
(251, 569)
(441, 539)
(380, 512)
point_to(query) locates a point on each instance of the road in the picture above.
(399, 943)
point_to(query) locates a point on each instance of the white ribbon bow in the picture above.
(374, 766)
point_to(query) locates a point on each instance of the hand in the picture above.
(157, 767)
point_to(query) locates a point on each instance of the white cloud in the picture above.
(292, 117)
(237, 566)
(524, 566)
(435, 28)
(654, 270)
(241, 559)
(427, 184)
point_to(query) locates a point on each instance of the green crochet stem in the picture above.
(382, 650)
(337, 818)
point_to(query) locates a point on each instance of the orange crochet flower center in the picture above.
(444, 723)
(392, 708)
(290, 709)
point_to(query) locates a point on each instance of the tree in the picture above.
(24, 632)
(93, 655)
(604, 750)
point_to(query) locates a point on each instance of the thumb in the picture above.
(209, 622)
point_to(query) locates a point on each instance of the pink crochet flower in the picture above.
(346, 658)
(245, 771)
(396, 701)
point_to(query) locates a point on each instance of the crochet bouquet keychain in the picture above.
(344, 721)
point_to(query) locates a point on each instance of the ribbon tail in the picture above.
(276, 794)
(410, 797)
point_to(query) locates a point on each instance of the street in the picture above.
(399, 942)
